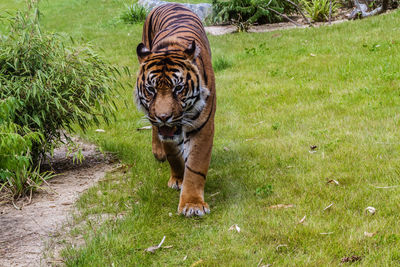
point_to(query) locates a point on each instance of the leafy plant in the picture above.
(257, 50)
(57, 85)
(243, 13)
(16, 174)
(47, 86)
(318, 10)
(134, 14)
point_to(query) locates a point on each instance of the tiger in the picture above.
(175, 88)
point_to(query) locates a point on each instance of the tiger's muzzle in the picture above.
(168, 127)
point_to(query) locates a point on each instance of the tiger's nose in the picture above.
(164, 116)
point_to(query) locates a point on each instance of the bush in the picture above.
(46, 86)
(134, 14)
(318, 10)
(16, 173)
(56, 85)
(246, 12)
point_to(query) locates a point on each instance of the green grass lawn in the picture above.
(337, 88)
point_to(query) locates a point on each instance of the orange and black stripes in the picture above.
(173, 21)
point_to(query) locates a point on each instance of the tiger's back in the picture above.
(174, 24)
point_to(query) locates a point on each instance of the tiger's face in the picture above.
(169, 90)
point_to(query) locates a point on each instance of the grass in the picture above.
(278, 94)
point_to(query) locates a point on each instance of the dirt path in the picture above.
(220, 30)
(24, 233)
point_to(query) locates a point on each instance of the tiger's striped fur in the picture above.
(175, 88)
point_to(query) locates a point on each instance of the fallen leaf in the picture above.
(184, 258)
(281, 206)
(302, 219)
(235, 227)
(144, 128)
(279, 35)
(369, 234)
(100, 131)
(371, 210)
(327, 207)
(226, 148)
(153, 249)
(351, 259)
(196, 263)
(332, 181)
(313, 55)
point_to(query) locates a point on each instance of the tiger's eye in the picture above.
(178, 88)
(150, 89)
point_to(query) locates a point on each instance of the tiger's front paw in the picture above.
(193, 209)
(175, 183)
(159, 153)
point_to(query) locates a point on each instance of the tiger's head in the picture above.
(169, 89)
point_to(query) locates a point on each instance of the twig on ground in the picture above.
(327, 207)
(144, 128)
(153, 249)
(213, 195)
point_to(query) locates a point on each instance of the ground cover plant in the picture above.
(248, 12)
(319, 10)
(47, 84)
(134, 13)
(296, 110)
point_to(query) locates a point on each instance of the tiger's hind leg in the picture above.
(173, 153)
(157, 147)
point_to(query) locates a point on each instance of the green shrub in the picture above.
(245, 12)
(134, 14)
(318, 10)
(47, 86)
(56, 85)
(16, 174)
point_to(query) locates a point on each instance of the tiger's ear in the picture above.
(192, 51)
(142, 52)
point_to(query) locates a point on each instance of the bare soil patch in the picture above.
(24, 233)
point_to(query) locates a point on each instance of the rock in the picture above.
(202, 10)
